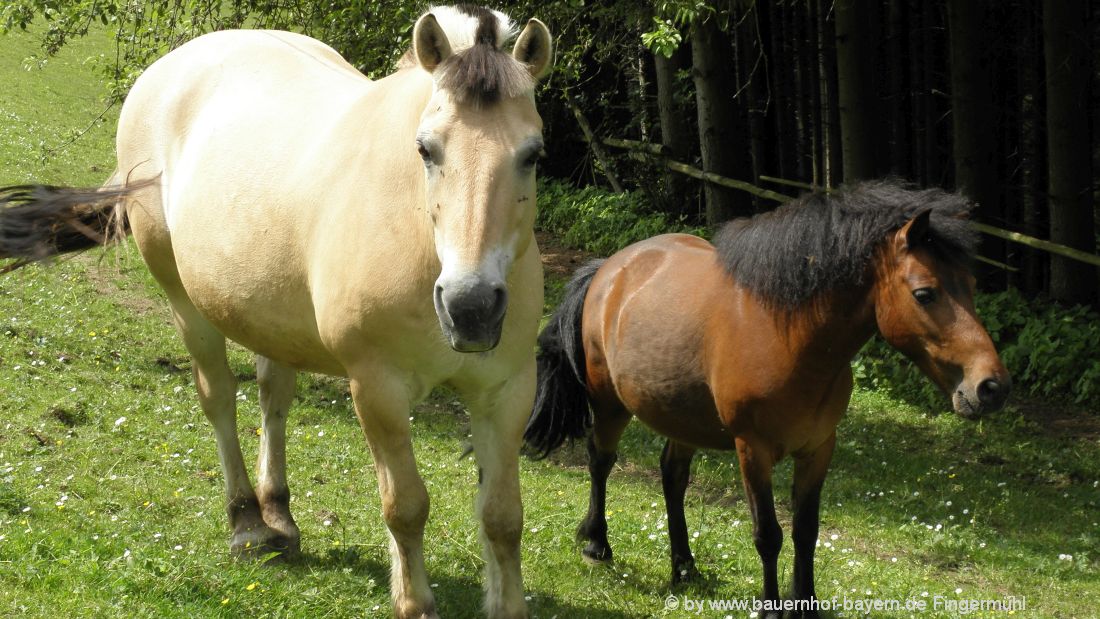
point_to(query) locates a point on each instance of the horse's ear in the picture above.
(917, 231)
(430, 43)
(533, 48)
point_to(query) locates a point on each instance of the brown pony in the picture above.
(746, 345)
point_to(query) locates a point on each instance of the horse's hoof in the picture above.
(595, 554)
(261, 543)
(685, 573)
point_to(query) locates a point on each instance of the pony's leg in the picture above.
(277, 386)
(675, 473)
(809, 475)
(217, 388)
(382, 405)
(609, 422)
(756, 471)
(497, 420)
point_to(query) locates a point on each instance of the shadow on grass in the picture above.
(456, 596)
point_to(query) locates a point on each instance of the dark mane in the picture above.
(483, 74)
(819, 242)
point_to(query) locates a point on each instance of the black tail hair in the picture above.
(561, 400)
(42, 221)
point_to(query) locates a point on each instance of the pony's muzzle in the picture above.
(471, 312)
(989, 395)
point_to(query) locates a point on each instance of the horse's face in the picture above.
(479, 157)
(924, 307)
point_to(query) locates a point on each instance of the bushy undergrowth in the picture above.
(1050, 350)
(600, 221)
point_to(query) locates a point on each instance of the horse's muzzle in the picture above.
(989, 395)
(471, 312)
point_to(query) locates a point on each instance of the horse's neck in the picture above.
(838, 324)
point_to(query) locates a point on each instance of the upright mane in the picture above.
(479, 71)
(820, 242)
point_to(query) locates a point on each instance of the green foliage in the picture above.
(372, 34)
(1050, 350)
(600, 221)
(664, 39)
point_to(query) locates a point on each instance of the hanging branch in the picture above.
(594, 144)
(683, 168)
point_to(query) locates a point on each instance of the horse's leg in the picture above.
(675, 473)
(756, 471)
(809, 474)
(217, 389)
(497, 421)
(277, 386)
(609, 422)
(382, 405)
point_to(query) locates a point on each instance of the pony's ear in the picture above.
(533, 48)
(430, 43)
(916, 231)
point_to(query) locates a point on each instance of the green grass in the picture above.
(111, 497)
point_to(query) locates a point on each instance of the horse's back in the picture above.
(644, 330)
(251, 134)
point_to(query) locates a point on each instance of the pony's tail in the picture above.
(561, 399)
(38, 222)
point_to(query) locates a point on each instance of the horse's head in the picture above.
(479, 136)
(924, 305)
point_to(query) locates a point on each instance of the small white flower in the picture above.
(120, 421)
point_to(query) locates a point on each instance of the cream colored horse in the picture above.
(377, 230)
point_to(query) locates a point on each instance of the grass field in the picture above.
(111, 499)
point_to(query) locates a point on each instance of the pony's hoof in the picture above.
(260, 543)
(596, 554)
(685, 573)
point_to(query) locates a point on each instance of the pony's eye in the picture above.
(924, 296)
(423, 150)
(532, 159)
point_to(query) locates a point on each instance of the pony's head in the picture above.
(479, 137)
(924, 306)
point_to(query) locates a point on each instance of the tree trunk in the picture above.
(676, 127)
(834, 162)
(1065, 37)
(854, 56)
(1032, 179)
(778, 81)
(899, 89)
(972, 114)
(720, 141)
(754, 70)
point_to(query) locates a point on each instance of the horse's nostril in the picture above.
(500, 301)
(990, 391)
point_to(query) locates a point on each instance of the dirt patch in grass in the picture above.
(104, 273)
(1061, 420)
(559, 260)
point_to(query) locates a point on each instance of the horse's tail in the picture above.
(561, 400)
(41, 221)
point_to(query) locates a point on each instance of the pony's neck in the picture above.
(832, 329)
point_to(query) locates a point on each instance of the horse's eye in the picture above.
(423, 150)
(924, 296)
(532, 159)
